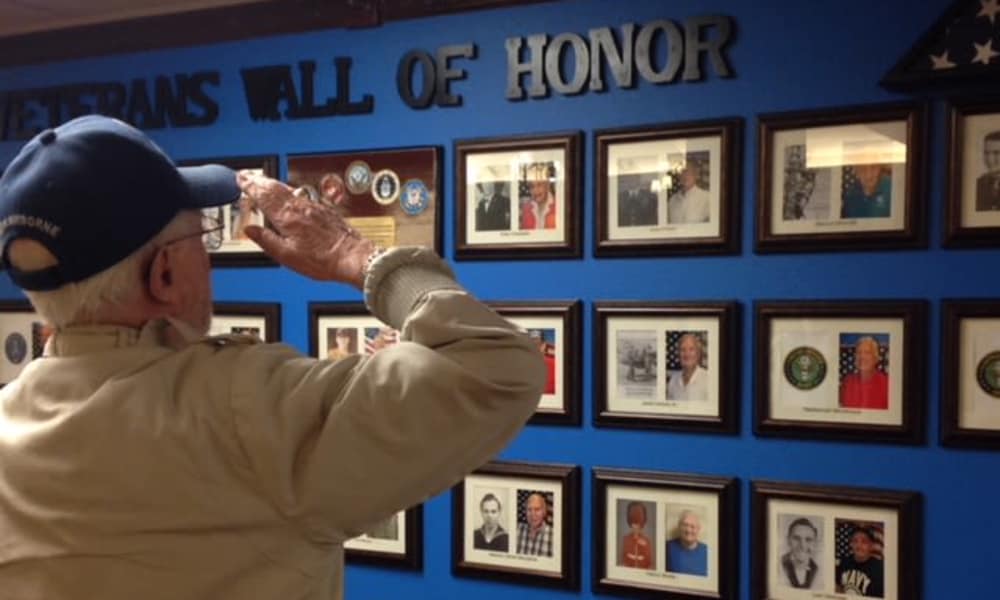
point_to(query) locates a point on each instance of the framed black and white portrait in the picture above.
(813, 541)
(518, 197)
(668, 189)
(972, 215)
(666, 365)
(520, 522)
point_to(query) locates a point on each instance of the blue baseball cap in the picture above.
(93, 191)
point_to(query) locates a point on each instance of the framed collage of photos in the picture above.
(341, 329)
(668, 189)
(814, 541)
(666, 365)
(516, 521)
(229, 246)
(391, 196)
(555, 326)
(518, 197)
(259, 319)
(972, 211)
(665, 535)
(394, 542)
(841, 369)
(24, 335)
(970, 373)
(841, 179)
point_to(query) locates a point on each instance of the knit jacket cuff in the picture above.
(400, 278)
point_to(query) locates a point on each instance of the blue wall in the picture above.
(787, 55)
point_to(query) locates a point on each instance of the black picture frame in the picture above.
(241, 253)
(564, 405)
(828, 231)
(812, 334)
(555, 481)
(648, 230)
(412, 556)
(648, 488)
(266, 314)
(961, 372)
(537, 159)
(369, 334)
(665, 409)
(815, 508)
(389, 219)
(23, 333)
(965, 224)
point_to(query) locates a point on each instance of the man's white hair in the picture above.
(77, 303)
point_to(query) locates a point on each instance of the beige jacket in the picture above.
(232, 470)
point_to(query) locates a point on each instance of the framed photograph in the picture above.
(972, 212)
(970, 373)
(666, 365)
(338, 330)
(230, 247)
(665, 535)
(518, 197)
(811, 541)
(841, 179)
(669, 189)
(392, 196)
(259, 319)
(395, 542)
(24, 335)
(556, 326)
(518, 522)
(841, 369)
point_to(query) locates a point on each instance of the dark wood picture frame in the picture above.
(957, 234)
(570, 315)
(913, 232)
(412, 559)
(729, 132)
(319, 310)
(726, 490)
(242, 258)
(907, 507)
(953, 432)
(402, 166)
(912, 318)
(569, 145)
(727, 316)
(564, 477)
(21, 344)
(270, 312)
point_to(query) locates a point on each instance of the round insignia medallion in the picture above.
(805, 368)
(16, 348)
(988, 374)
(385, 186)
(359, 177)
(415, 198)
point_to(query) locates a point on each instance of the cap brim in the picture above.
(210, 185)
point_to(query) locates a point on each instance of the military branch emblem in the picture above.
(415, 198)
(15, 347)
(988, 374)
(805, 368)
(385, 186)
(359, 177)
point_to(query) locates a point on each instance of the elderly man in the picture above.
(685, 553)
(144, 460)
(535, 535)
(868, 387)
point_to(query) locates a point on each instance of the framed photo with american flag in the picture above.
(518, 522)
(813, 541)
(666, 365)
(846, 178)
(851, 369)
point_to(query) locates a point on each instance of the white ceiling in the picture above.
(29, 16)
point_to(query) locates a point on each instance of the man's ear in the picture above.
(162, 277)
